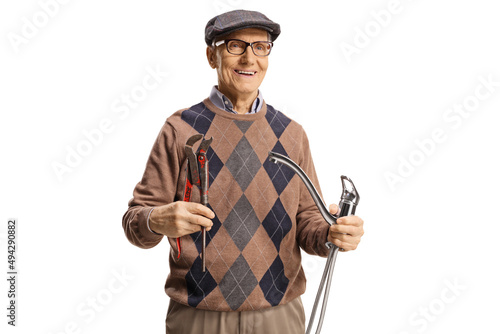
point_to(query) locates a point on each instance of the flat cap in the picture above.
(228, 22)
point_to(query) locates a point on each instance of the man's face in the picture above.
(232, 83)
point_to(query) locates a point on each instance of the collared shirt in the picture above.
(222, 102)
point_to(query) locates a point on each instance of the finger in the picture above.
(344, 229)
(194, 224)
(345, 238)
(347, 229)
(197, 208)
(199, 221)
(334, 209)
(343, 245)
(350, 220)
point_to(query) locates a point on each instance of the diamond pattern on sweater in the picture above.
(238, 283)
(214, 165)
(223, 195)
(243, 125)
(242, 223)
(243, 163)
(261, 194)
(199, 284)
(262, 139)
(278, 121)
(221, 254)
(260, 253)
(280, 175)
(277, 223)
(199, 117)
(274, 282)
(226, 135)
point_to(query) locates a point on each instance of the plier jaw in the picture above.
(197, 177)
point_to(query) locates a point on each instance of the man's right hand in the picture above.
(180, 218)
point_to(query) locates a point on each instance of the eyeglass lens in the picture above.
(259, 48)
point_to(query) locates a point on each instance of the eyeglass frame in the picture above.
(246, 46)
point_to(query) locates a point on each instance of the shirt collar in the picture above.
(222, 102)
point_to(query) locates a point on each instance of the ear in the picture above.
(211, 57)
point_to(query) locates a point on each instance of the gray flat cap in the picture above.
(226, 23)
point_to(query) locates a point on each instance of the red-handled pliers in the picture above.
(198, 178)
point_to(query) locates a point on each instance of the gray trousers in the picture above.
(288, 318)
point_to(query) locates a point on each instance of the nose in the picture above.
(248, 56)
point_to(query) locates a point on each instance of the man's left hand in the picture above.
(347, 233)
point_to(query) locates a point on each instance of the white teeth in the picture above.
(243, 72)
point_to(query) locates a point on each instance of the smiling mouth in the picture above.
(245, 73)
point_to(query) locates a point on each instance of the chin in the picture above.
(246, 88)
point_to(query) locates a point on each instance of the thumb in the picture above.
(334, 208)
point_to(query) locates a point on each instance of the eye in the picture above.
(260, 47)
(235, 45)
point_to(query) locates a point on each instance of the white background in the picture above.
(436, 227)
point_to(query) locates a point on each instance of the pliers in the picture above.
(197, 177)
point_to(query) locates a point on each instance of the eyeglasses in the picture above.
(238, 47)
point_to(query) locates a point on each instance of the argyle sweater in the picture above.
(263, 211)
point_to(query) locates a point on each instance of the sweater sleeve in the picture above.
(312, 230)
(157, 187)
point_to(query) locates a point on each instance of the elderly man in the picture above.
(258, 216)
